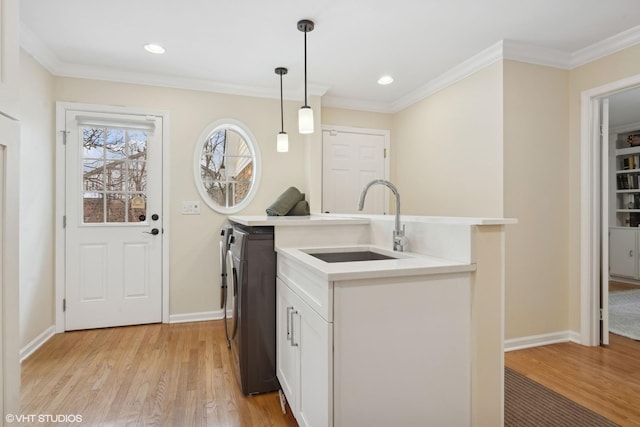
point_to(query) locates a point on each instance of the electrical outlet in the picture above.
(190, 208)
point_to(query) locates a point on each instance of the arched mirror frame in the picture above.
(242, 130)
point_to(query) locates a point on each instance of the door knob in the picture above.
(153, 231)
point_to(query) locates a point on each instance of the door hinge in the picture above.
(64, 305)
(64, 221)
(64, 136)
(385, 153)
(601, 315)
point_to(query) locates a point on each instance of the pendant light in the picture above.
(282, 143)
(305, 114)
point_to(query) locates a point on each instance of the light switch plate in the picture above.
(190, 208)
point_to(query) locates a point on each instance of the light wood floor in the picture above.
(603, 379)
(152, 375)
(181, 375)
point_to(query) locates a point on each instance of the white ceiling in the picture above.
(234, 45)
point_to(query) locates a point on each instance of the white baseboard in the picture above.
(540, 340)
(28, 350)
(198, 317)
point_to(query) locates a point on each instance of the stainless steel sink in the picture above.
(350, 256)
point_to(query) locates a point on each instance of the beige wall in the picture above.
(447, 149)
(358, 119)
(617, 66)
(194, 270)
(493, 144)
(536, 192)
(37, 200)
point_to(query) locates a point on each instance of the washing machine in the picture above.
(251, 324)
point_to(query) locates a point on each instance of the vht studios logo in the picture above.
(43, 418)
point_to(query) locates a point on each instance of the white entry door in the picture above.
(350, 160)
(113, 233)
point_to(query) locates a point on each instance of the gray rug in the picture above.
(624, 313)
(530, 404)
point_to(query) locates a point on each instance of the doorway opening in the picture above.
(594, 229)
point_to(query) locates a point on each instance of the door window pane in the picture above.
(93, 207)
(114, 171)
(116, 206)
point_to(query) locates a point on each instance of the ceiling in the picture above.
(233, 46)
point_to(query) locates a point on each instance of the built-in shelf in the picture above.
(625, 188)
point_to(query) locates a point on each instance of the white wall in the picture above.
(37, 200)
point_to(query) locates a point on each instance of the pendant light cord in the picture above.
(281, 107)
(305, 69)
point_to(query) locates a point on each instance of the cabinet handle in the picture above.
(631, 252)
(293, 344)
(289, 323)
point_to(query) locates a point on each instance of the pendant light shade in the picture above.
(305, 115)
(305, 119)
(282, 142)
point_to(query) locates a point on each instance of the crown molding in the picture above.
(532, 54)
(504, 49)
(472, 65)
(606, 47)
(356, 104)
(38, 50)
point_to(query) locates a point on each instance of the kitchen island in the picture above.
(415, 340)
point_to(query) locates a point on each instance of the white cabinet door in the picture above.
(304, 359)
(314, 335)
(287, 356)
(623, 252)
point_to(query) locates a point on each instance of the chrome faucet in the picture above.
(399, 240)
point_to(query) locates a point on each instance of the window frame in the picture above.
(252, 144)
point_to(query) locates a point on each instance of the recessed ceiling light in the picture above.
(154, 48)
(385, 80)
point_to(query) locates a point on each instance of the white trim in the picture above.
(472, 65)
(532, 54)
(357, 104)
(251, 142)
(504, 49)
(61, 108)
(606, 47)
(48, 59)
(590, 241)
(37, 342)
(197, 317)
(10, 266)
(539, 340)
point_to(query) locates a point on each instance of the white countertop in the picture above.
(296, 221)
(407, 263)
(350, 219)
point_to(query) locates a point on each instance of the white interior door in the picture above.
(350, 160)
(604, 197)
(114, 224)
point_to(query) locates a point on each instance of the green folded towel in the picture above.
(300, 209)
(285, 202)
